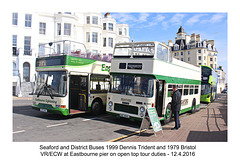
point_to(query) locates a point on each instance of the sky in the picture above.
(162, 27)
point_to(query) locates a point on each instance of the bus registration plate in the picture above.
(43, 110)
(126, 116)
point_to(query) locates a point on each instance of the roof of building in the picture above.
(180, 30)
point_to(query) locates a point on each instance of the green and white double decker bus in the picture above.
(142, 75)
(70, 82)
(208, 85)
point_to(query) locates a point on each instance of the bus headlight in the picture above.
(142, 109)
(110, 103)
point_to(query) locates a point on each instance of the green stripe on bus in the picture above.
(176, 80)
(168, 79)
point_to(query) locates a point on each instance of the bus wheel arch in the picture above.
(168, 114)
(193, 108)
(97, 106)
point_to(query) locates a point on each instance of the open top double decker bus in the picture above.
(70, 82)
(142, 76)
(208, 84)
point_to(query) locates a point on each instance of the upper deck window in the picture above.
(143, 50)
(135, 50)
(162, 53)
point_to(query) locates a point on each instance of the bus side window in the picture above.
(196, 90)
(180, 88)
(191, 89)
(186, 90)
(170, 91)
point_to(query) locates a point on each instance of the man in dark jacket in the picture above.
(176, 106)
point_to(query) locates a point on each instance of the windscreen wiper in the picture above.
(45, 88)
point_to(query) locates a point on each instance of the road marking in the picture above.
(89, 119)
(15, 132)
(125, 136)
(65, 123)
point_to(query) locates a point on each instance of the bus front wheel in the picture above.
(97, 107)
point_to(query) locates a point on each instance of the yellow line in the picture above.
(125, 136)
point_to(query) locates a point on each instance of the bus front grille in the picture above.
(126, 108)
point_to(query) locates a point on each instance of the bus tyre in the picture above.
(193, 108)
(97, 108)
(168, 115)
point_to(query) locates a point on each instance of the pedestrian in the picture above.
(176, 106)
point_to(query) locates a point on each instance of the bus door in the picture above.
(78, 93)
(159, 97)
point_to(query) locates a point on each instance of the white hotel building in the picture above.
(29, 30)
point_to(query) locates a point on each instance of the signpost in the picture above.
(151, 116)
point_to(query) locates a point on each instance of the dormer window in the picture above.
(199, 44)
(176, 47)
(204, 44)
(209, 47)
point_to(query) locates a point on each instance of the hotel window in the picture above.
(27, 45)
(87, 36)
(110, 26)
(95, 20)
(120, 31)
(199, 51)
(110, 42)
(181, 53)
(58, 29)
(182, 59)
(188, 52)
(104, 26)
(189, 59)
(88, 19)
(14, 44)
(199, 58)
(211, 59)
(104, 41)
(15, 19)
(125, 31)
(67, 29)
(95, 37)
(42, 28)
(28, 20)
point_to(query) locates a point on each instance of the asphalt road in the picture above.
(33, 126)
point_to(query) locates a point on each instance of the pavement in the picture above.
(209, 124)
